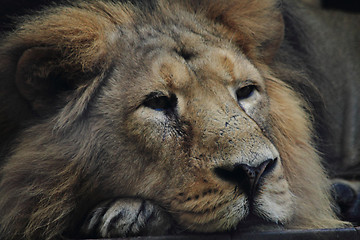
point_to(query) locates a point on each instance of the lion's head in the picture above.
(170, 101)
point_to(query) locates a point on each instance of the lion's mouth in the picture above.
(245, 215)
(250, 223)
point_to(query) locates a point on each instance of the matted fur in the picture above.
(90, 147)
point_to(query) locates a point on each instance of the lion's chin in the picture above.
(249, 222)
(244, 216)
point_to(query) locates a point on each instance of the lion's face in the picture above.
(195, 126)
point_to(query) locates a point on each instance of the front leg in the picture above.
(125, 218)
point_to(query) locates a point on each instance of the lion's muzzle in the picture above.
(247, 177)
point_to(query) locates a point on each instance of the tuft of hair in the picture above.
(254, 25)
(80, 32)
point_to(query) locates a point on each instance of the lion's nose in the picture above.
(245, 176)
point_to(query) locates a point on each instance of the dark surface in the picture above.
(318, 234)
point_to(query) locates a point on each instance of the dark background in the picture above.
(11, 8)
(346, 5)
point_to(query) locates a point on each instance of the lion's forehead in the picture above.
(177, 55)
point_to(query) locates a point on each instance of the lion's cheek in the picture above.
(274, 201)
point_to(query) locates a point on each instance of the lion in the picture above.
(133, 118)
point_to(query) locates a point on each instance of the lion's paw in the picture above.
(126, 217)
(347, 198)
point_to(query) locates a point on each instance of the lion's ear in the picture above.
(256, 26)
(33, 78)
(40, 77)
(59, 49)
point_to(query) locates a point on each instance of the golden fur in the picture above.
(97, 141)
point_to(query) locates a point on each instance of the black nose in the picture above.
(245, 176)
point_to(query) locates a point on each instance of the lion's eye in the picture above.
(245, 92)
(159, 102)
